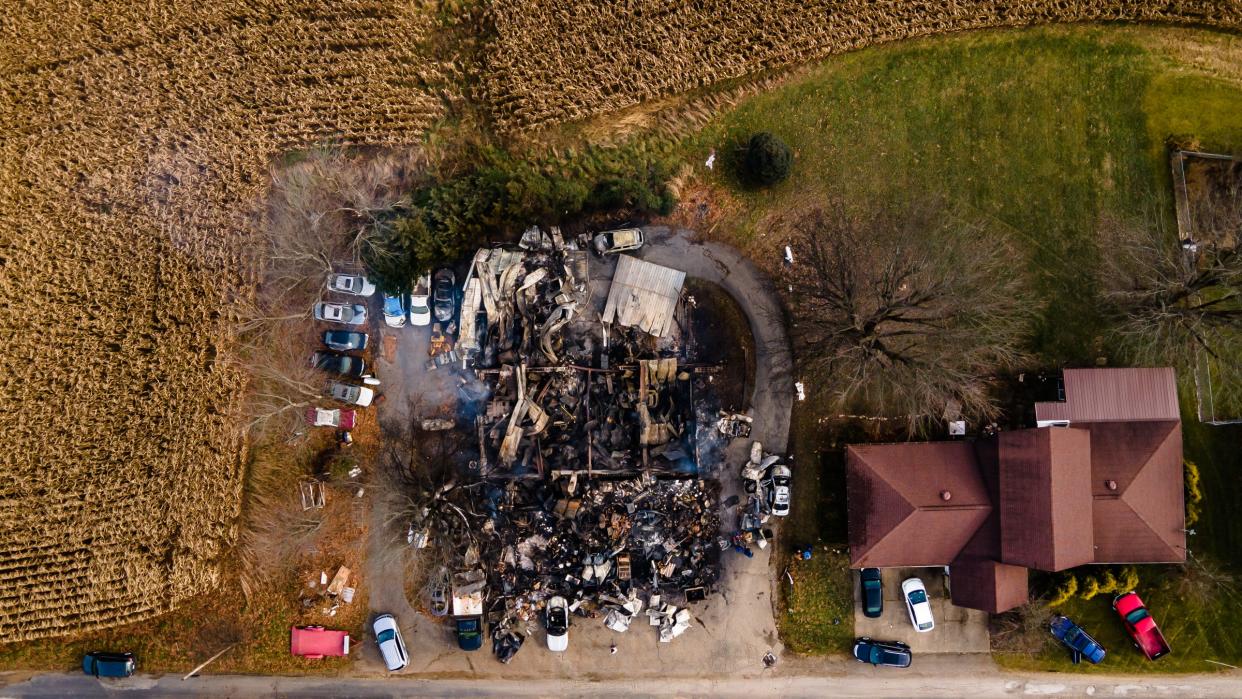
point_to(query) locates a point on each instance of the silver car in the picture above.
(345, 314)
(353, 395)
(350, 284)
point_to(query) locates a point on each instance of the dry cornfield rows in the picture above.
(553, 61)
(135, 140)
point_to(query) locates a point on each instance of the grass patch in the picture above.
(818, 610)
(1197, 631)
(1041, 131)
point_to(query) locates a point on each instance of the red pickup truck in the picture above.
(1142, 627)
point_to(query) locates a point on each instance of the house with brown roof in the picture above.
(1098, 481)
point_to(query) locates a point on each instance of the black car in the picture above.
(443, 298)
(345, 340)
(872, 593)
(885, 653)
(338, 363)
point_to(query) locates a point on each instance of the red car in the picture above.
(318, 642)
(1142, 627)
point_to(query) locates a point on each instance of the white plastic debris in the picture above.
(788, 256)
(323, 577)
(711, 160)
(348, 595)
(801, 390)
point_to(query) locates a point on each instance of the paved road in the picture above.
(860, 682)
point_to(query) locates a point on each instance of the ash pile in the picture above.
(586, 482)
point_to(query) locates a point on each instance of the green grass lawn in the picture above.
(1041, 131)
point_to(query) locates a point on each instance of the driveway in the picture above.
(731, 632)
(772, 399)
(958, 630)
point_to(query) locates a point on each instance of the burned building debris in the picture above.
(586, 477)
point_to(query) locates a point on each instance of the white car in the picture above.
(779, 494)
(557, 622)
(394, 311)
(625, 239)
(345, 314)
(391, 646)
(350, 284)
(420, 307)
(918, 605)
(354, 395)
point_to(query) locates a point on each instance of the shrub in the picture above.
(767, 161)
(1194, 494)
(1065, 591)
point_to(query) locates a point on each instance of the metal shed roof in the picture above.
(643, 295)
(1114, 395)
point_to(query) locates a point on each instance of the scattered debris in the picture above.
(586, 477)
(312, 494)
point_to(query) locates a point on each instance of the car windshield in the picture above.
(918, 597)
(872, 584)
(1136, 616)
(877, 654)
(386, 635)
(557, 621)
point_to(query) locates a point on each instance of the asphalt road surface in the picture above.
(860, 682)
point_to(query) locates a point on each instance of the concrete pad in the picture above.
(958, 629)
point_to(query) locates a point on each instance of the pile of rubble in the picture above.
(609, 546)
(585, 484)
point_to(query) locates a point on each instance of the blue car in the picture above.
(1079, 642)
(102, 664)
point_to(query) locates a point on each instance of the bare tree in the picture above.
(284, 382)
(1170, 302)
(907, 314)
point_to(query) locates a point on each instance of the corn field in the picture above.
(554, 61)
(135, 144)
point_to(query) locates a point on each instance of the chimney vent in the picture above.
(1110, 484)
(946, 495)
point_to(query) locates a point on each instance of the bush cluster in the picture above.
(1194, 494)
(502, 194)
(1087, 583)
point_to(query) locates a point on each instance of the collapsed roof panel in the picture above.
(644, 296)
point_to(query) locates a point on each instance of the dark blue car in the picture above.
(1079, 642)
(103, 664)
